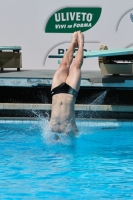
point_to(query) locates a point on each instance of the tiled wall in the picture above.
(79, 122)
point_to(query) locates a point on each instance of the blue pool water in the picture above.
(96, 164)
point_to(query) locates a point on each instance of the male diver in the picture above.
(65, 87)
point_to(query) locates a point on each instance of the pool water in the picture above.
(95, 164)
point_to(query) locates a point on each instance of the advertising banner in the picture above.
(44, 28)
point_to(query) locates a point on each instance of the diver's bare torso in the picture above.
(63, 114)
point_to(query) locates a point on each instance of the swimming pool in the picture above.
(96, 164)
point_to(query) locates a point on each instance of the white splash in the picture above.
(100, 98)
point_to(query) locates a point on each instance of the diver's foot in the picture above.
(75, 39)
(80, 39)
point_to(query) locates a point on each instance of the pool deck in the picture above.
(42, 74)
(29, 78)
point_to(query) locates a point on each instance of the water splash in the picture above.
(49, 137)
(100, 98)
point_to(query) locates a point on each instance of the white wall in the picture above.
(22, 23)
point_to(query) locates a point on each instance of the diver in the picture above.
(65, 87)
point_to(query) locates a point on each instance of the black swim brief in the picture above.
(64, 88)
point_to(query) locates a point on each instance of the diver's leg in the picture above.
(63, 71)
(75, 72)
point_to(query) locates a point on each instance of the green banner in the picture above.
(68, 20)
